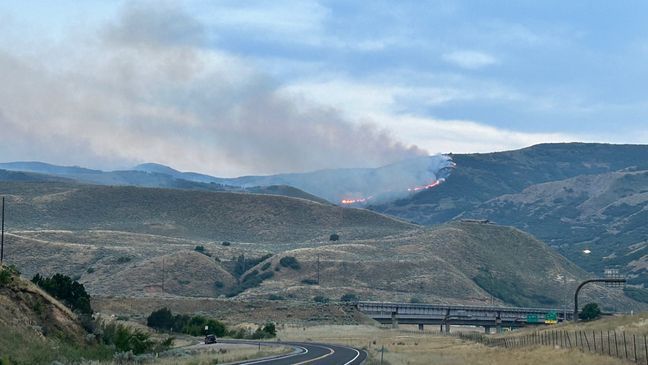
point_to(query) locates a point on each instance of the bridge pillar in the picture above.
(487, 330)
(420, 327)
(441, 328)
(394, 319)
(447, 328)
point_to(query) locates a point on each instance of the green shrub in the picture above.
(90, 270)
(123, 259)
(590, 311)
(334, 237)
(291, 262)
(349, 297)
(321, 299)
(309, 281)
(266, 266)
(226, 243)
(275, 297)
(163, 319)
(62, 287)
(416, 300)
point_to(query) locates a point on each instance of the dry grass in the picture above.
(409, 347)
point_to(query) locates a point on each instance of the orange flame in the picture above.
(414, 189)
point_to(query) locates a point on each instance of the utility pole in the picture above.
(163, 275)
(2, 234)
(318, 269)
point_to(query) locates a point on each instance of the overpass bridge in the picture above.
(447, 315)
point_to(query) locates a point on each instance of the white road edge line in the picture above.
(318, 358)
(356, 356)
(305, 351)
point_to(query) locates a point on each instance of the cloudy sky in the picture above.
(245, 87)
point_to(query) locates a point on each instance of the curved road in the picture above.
(308, 353)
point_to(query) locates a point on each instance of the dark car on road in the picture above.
(210, 339)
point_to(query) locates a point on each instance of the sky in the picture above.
(258, 87)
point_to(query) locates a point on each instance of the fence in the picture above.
(630, 347)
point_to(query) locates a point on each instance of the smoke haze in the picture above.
(145, 88)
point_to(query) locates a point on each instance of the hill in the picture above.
(480, 177)
(36, 328)
(605, 213)
(213, 216)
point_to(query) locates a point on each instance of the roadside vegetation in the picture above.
(164, 320)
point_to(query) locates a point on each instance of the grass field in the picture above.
(407, 346)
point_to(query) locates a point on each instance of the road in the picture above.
(307, 353)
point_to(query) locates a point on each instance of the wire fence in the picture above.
(631, 347)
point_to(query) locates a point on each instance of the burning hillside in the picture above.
(358, 186)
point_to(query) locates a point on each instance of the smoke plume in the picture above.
(147, 87)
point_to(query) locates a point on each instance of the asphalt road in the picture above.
(308, 353)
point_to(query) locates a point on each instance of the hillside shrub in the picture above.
(590, 312)
(415, 300)
(123, 259)
(201, 249)
(251, 280)
(266, 266)
(226, 243)
(69, 291)
(334, 237)
(291, 262)
(275, 297)
(349, 297)
(7, 273)
(309, 281)
(321, 299)
(126, 339)
(242, 264)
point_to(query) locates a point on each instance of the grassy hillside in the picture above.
(481, 177)
(466, 263)
(605, 213)
(458, 262)
(217, 216)
(37, 329)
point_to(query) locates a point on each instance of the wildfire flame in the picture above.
(412, 189)
(355, 201)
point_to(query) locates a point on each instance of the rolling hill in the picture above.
(573, 196)
(143, 242)
(213, 216)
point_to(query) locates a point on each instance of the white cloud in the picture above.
(470, 59)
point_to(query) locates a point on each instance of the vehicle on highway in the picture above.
(210, 339)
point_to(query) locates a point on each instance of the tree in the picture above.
(590, 311)
(71, 292)
(161, 319)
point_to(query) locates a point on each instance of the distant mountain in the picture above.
(166, 170)
(360, 185)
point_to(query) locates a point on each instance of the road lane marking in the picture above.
(317, 358)
(356, 356)
(260, 361)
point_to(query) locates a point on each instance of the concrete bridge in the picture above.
(447, 315)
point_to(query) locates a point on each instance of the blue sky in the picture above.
(421, 76)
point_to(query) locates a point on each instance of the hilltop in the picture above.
(213, 216)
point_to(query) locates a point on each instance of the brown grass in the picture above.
(409, 347)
